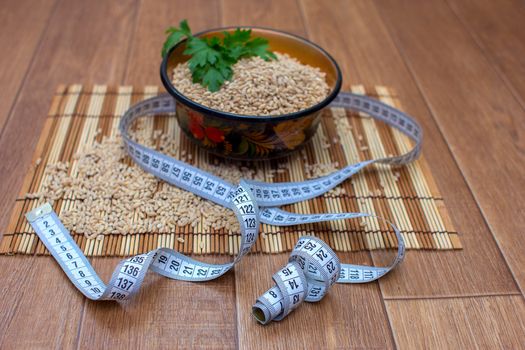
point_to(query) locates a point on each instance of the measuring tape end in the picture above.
(261, 313)
(37, 213)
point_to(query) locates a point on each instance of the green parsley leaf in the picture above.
(212, 59)
(185, 28)
(259, 47)
(237, 38)
(171, 41)
(213, 79)
(176, 35)
(201, 53)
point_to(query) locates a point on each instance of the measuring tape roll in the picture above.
(312, 269)
(253, 202)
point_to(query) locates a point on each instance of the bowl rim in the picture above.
(166, 81)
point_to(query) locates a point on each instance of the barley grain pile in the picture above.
(259, 87)
(114, 196)
(111, 195)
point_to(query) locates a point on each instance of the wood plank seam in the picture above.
(17, 302)
(389, 317)
(300, 5)
(125, 71)
(488, 56)
(124, 75)
(26, 74)
(486, 323)
(453, 296)
(440, 129)
(368, 253)
(385, 311)
(80, 323)
(370, 257)
(237, 316)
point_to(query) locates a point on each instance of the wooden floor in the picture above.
(458, 66)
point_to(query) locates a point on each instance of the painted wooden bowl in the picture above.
(251, 137)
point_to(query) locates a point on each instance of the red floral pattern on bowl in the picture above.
(239, 140)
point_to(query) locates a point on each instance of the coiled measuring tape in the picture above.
(313, 266)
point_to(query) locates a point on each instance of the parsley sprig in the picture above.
(212, 58)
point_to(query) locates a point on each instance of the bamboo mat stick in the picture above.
(421, 185)
(388, 181)
(360, 184)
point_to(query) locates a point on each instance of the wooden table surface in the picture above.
(458, 66)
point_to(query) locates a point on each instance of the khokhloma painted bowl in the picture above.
(251, 137)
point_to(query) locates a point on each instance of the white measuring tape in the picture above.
(313, 266)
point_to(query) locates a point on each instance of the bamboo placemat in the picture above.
(407, 196)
